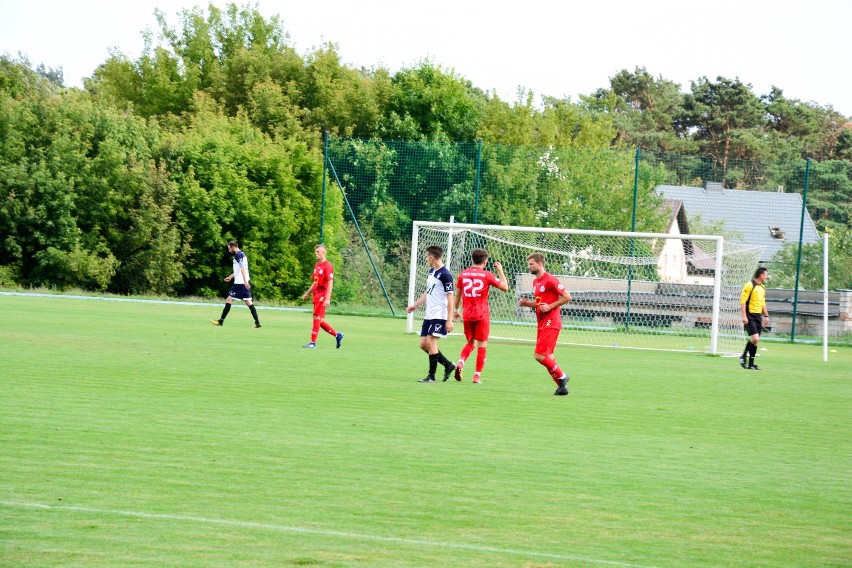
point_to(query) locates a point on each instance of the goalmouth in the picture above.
(662, 291)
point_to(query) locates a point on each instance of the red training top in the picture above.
(547, 289)
(323, 275)
(474, 282)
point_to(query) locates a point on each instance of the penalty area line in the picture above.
(321, 532)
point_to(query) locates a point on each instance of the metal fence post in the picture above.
(324, 167)
(799, 256)
(476, 183)
(632, 241)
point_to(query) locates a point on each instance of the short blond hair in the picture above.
(536, 256)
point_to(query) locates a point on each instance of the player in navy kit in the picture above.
(438, 298)
(241, 288)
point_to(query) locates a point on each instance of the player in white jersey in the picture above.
(241, 287)
(438, 297)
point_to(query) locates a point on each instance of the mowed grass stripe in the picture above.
(654, 459)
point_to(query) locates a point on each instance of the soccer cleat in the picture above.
(216, 322)
(476, 380)
(256, 325)
(743, 362)
(448, 370)
(753, 368)
(339, 338)
(563, 387)
(458, 372)
(310, 345)
(427, 379)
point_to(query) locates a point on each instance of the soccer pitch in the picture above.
(137, 434)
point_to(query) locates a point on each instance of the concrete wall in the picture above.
(809, 319)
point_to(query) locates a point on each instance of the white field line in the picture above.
(321, 532)
(141, 301)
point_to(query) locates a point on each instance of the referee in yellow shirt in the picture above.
(753, 309)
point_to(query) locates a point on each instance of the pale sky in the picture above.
(555, 48)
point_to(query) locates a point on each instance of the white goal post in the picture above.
(635, 290)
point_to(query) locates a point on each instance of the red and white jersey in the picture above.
(474, 283)
(547, 289)
(323, 275)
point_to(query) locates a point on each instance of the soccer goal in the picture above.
(630, 290)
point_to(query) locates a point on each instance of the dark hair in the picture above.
(758, 272)
(437, 252)
(233, 244)
(479, 255)
(536, 256)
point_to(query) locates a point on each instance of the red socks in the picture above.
(550, 364)
(466, 351)
(480, 359)
(325, 327)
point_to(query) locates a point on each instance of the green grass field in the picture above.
(137, 434)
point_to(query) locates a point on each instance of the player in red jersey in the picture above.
(323, 282)
(549, 295)
(474, 283)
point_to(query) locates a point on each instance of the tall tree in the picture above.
(557, 123)
(235, 182)
(428, 103)
(647, 111)
(727, 119)
(803, 130)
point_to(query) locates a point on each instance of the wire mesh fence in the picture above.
(386, 185)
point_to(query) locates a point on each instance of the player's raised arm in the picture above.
(504, 282)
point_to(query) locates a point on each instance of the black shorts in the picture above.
(754, 325)
(434, 327)
(240, 292)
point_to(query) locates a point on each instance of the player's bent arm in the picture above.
(564, 298)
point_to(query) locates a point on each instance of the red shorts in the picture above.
(477, 330)
(545, 341)
(319, 309)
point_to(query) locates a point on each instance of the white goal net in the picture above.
(631, 290)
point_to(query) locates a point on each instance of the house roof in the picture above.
(754, 215)
(677, 214)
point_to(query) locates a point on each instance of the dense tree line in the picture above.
(133, 183)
